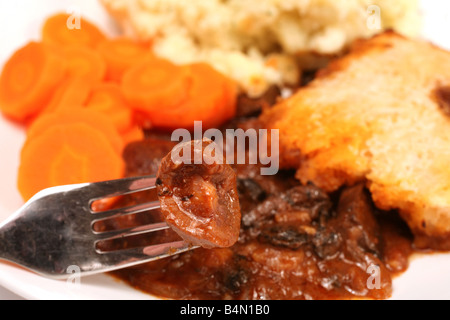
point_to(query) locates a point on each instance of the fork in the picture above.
(53, 235)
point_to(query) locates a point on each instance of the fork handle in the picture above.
(9, 243)
(19, 242)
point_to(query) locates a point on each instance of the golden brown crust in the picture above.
(358, 48)
(378, 115)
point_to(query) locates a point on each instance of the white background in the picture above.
(21, 20)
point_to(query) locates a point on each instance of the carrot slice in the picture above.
(133, 134)
(67, 154)
(82, 115)
(108, 99)
(211, 99)
(64, 29)
(85, 63)
(28, 80)
(120, 54)
(72, 93)
(155, 84)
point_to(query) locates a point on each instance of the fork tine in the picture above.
(127, 232)
(150, 252)
(103, 215)
(113, 188)
(113, 260)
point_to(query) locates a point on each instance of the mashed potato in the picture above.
(258, 42)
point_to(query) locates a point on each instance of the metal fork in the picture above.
(53, 235)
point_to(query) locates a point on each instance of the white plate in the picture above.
(20, 21)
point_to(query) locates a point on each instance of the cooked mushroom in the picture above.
(199, 200)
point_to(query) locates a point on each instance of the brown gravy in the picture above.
(295, 241)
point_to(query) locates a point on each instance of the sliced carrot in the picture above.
(71, 93)
(82, 115)
(211, 99)
(67, 154)
(107, 98)
(215, 107)
(133, 134)
(155, 84)
(84, 62)
(120, 54)
(64, 29)
(28, 80)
